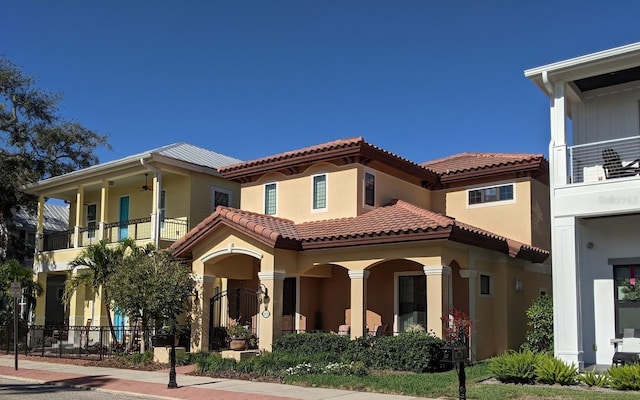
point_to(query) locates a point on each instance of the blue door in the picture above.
(119, 321)
(123, 232)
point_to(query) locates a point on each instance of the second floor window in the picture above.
(319, 192)
(491, 194)
(270, 197)
(221, 197)
(92, 212)
(369, 189)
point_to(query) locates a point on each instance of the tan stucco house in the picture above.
(347, 237)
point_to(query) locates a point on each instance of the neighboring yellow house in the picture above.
(152, 197)
(347, 237)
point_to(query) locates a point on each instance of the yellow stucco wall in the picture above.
(510, 219)
(201, 187)
(390, 188)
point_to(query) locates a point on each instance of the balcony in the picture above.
(587, 161)
(171, 229)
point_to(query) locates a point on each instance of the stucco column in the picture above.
(438, 289)
(201, 313)
(567, 313)
(79, 208)
(358, 303)
(270, 328)
(104, 207)
(76, 307)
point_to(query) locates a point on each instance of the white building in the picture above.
(595, 199)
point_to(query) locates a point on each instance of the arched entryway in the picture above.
(233, 306)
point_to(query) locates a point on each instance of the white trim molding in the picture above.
(231, 249)
(359, 274)
(272, 276)
(437, 270)
(468, 273)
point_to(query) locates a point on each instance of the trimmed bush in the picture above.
(312, 343)
(540, 333)
(515, 367)
(215, 363)
(550, 370)
(626, 377)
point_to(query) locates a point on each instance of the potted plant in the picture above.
(238, 336)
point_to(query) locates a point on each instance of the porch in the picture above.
(604, 160)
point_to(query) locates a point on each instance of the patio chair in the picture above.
(379, 330)
(613, 167)
(627, 348)
(344, 330)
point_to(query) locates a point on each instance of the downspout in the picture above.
(157, 189)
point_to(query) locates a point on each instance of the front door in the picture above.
(123, 231)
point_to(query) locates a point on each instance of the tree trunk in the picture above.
(114, 338)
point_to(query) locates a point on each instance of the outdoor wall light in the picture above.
(590, 245)
(518, 285)
(263, 294)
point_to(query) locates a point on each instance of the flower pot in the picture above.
(238, 344)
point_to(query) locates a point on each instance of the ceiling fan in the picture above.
(146, 187)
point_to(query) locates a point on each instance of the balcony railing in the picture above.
(137, 229)
(586, 161)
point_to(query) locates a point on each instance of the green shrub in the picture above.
(311, 343)
(274, 364)
(626, 377)
(540, 334)
(414, 352)
(215, 363)
(550, 370)
(515, 367)
(590, 378)
(140, 358)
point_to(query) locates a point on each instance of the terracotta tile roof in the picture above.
(476, 161)
(398, 221)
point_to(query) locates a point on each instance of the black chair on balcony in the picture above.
(613, 167)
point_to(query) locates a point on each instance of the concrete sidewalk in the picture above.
(154, 383)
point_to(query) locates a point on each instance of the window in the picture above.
(163, 205)
(626, 295)
(320, 192)
(411, 300)
(491, 194)
(270, 199)
(92, 212)
(220, 197)
(486, 285)
(369, 189)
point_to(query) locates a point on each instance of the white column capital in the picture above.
(205, 279)
(359, 274)
(272, 276)
(436, 270)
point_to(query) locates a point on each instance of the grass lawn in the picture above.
(446, 384)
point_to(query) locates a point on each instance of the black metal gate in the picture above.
(233, 306)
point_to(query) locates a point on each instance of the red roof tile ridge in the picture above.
(523, 156)
(293, 153)
(229, 212)
(441, 219)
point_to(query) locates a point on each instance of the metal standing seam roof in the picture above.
(195, 155)
(56, 219)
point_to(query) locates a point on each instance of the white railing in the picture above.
(587, 163)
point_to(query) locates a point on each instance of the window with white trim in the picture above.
(162, 210)
(270, 198)
(92, 216)
(490, 194)
(319, 192)
(220, 197)
(486, 285)
(369, 189)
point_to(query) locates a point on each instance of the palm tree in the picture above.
(96, 263)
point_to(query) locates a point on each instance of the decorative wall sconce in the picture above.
(590, 245)
(263, 298)
(518, 285)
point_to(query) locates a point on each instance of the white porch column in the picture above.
(155, 208)
(567, 319)
(270, 329)
(358, 303)
(79, 209)
(40, 227)
(438, 290)
(104, 206)
(558, 150)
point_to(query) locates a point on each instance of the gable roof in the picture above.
(397, 222)
(338, 152)
(466, 166)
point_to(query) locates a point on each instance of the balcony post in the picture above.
(79, 207)
(558, 150)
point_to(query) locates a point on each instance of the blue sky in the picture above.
(423, 79)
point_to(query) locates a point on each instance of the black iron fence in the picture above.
(91, 343)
